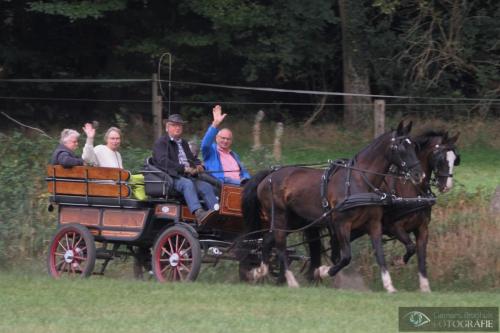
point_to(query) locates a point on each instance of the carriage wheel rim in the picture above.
(68, 254)
(174, 258)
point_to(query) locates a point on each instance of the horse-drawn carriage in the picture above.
(95, 205)
(368, 194)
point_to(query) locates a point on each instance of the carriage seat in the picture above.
(91, 186)
(88, 181)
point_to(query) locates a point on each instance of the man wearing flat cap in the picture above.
(172, 154)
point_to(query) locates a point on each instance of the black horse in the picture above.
(290, 198)
(411, 213)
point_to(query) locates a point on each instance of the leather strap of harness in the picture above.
(332, 168)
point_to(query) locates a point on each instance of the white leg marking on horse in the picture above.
(424, 284)
(321, 272)
(263, 270)
(316, 274)
(258, 273)
(386, 279)
(290, 279)
(450, 157)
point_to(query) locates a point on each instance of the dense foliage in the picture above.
(24, 221)
(406, 47)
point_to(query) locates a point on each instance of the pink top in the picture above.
(229, 163)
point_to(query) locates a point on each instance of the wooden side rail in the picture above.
(230, 201)
(88, 181)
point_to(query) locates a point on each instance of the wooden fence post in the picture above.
(156, 108)
(378, 117)
(277, 141)
(256, 130)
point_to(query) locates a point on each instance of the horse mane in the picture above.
(423, 139)
(374, 142)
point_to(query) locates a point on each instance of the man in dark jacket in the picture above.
(172, 154)
(65, 152)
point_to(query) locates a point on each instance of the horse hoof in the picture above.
(322, 272)
(392, 290)
(250, 276)
(290, 279)
(257, 274)
(425, 288)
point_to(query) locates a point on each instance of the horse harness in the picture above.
(375, 198)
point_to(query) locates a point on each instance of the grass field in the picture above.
(34, 303)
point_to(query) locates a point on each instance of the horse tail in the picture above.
(250, 207)
(250, 202)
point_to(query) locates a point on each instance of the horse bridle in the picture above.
(438, 153)
(401, 166)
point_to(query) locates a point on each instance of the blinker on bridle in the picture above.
(404, 168)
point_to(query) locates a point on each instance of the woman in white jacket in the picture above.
(107, 155)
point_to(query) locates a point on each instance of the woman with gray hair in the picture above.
(65, 152)
(103, 155)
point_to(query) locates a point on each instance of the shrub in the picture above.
(25, 224)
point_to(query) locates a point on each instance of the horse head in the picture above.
(443, 158)
(402, 154)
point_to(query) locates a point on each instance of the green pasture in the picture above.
(34, 303)
(30, 301)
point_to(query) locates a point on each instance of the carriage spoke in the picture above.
(181, 277)
(182, 244)
(80, 258)
(78, 243)
(65, 249)
(176, 243)
(59, 264)
(63, 267)
(164, 250)
(165, 268)
(184, 251)
(67, 241)
(185, 267)
(170, 244)
(73, 238)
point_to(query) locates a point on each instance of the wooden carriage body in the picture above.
(101, 200)
(97, 205)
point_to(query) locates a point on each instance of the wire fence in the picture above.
(69, 99)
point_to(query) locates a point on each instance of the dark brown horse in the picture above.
(411, 212)
(290, 198)
(438, 155)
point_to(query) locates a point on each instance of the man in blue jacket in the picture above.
(223, 163)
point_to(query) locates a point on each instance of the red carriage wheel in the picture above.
(176, 255)
(71, 252)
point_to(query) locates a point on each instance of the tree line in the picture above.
(434, 48)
